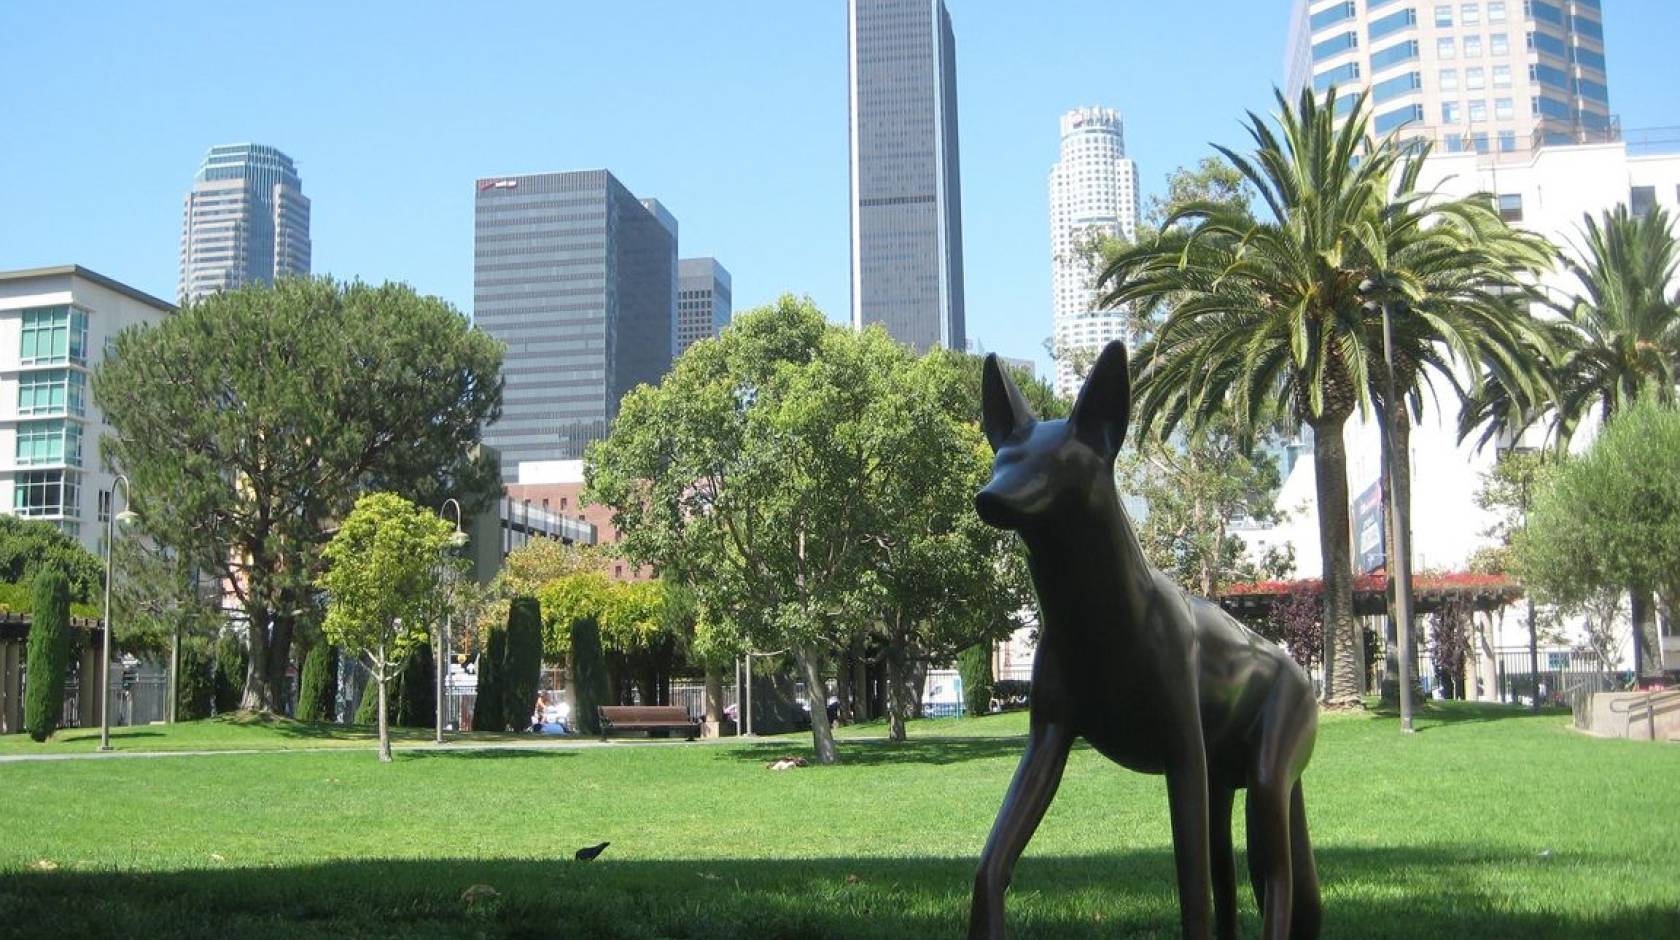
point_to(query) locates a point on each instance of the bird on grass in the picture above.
(588, 854)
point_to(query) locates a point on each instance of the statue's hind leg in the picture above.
(1304, 924)
(1286, 734)
(1223, 862)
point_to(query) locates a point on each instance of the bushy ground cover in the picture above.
(1488, 823)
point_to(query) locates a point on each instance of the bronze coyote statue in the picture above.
(1155, 680)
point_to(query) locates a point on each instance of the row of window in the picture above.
(54, 335)
(52, 392)
(49, 442)
(46, 493)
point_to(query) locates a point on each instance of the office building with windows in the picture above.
(906, 197)
(703, 301)
(55, 324)
(579, 278)
(245, 221)
(1482, 75)
(1093, 193)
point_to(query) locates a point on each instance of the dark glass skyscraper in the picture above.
(579, 278)
(907, 270)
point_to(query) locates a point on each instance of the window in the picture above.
(1340, 75)
(104, 506)
(1478, 112)
(1335, 45)
(1443, 14)
(1390, 120)
(46, 493)
(1475, 79)
(618, 571)
(1551, 45)
(1503, 110)
(1470, 14)
(1496, 11)
(51, 392)
(1472, 47)
(1449, 80)
(1502, 76)
(1396, 86)
(1642, 199)
(1499, 44)
(1449, 112)
(1587, 27)
(1547, 75)
(1588, 88)
(1394, 55)
(1507, 141)
(1544, 12)
(49, 442)
(1330, 16)
(1479, 141)
(1445, 48)
(1587, 57)
(1393, 23)
(54, 335)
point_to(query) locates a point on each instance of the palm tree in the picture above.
(1618, 341)
(1267, 315)
(1449, 277)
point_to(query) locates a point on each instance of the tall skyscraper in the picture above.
(703, 301)
(246, 221)
(579, 278)
(1494, 75)
(1093, 191)
(907, 270)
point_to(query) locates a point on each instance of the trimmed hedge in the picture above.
(318, 686)
(974, 665)
(590, 687)
(522, 666)
(49, 654)
(415, 690)
(489, 713)
(232, 663)
(195, 686)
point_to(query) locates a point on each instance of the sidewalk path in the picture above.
(354, 748)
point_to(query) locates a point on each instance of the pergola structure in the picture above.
(1254, 600)
(14, 640)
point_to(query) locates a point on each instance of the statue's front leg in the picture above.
(1036, 779)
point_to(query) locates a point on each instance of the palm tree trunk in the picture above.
(1397, 510)
(1341, 664)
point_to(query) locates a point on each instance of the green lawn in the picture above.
(1488, 823)
(243, 731)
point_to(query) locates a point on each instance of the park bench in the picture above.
(658, 720)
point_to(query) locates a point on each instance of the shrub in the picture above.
(416, 692)
(29, 547)
(318, 687)
(231, 666)
(589, 675)
(49, 654)
(489, 713)
(195, 683)
(974, 665)
(522, 665)
(367, 707)
(1012, 693)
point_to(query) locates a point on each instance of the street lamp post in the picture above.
(1402, 538)
(112, 517)
(442, 653)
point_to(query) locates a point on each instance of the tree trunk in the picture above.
(1641, 613)
(843, 686)
(894, 667)
(1341, 666)
(257, 689)
(384, 725)
(1534, 655)
(714, 694)
(822, 735)
(1400, 570)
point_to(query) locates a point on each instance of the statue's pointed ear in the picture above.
(1104, 407)
(1003, 412)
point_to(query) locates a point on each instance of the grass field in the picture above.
(1487, 824)
(242, 732)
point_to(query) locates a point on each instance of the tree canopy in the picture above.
(251, 420)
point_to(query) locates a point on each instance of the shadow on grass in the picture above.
(484, 753)
(1391, 893)
(870, 753)
(1432, 713)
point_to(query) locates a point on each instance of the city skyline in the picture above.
(385, 159)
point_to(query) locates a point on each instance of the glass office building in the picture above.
(703, 301)
(245, 221)
(1489, 76)
(579, 278)
(907, 270)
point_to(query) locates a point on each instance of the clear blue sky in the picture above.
(732, 113)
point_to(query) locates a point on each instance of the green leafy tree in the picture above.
(1606, 521)
(383, 580)
(48, 654)
(195, 681)
(251, 420)
(1508, 491)
(974, 665)
(318, 687)
(29, 546)
(522, 667)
